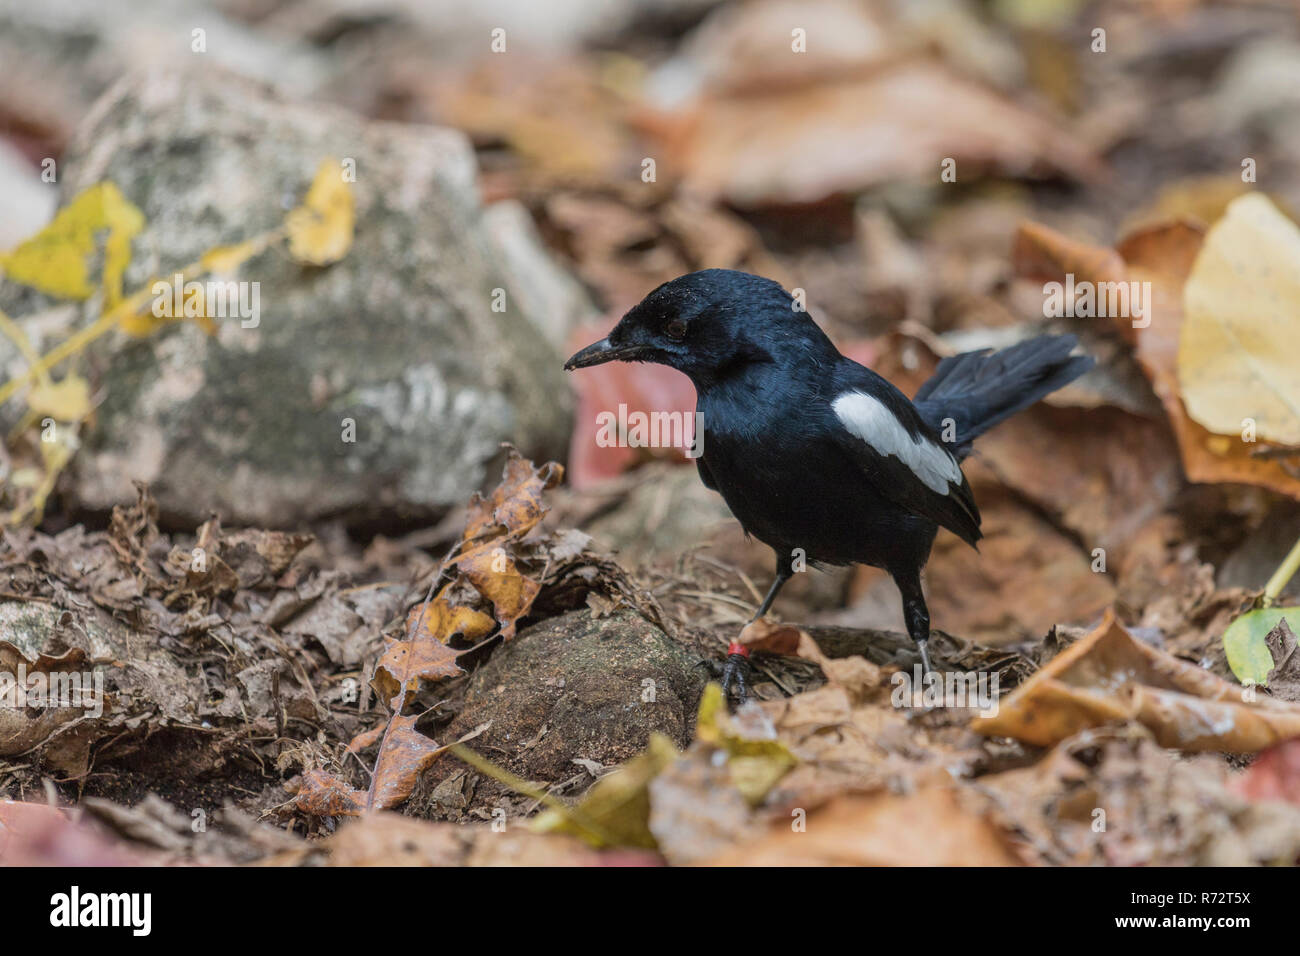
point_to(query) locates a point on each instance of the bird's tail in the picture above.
(970, 393)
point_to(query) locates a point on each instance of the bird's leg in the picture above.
(783, 574)
(737, 669)
(916, 614)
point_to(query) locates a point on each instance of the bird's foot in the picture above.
(924, 651)
(736, 674)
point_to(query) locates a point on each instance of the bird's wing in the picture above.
(900, 457)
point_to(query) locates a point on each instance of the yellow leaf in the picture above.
(55, 259)
(136, 316)
(65, 401)
(441, 622)
(226, 260)
(320, 230)
(617, 804)
(140, 325)
(756, 764)
(1237, 356)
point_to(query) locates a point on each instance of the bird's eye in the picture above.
(675, 330)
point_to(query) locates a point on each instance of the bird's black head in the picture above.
(710, 325)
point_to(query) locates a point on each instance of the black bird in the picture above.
(817, 456)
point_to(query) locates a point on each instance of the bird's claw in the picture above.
(736, 672)
(926, 667)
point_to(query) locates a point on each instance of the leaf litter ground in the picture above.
(299, 698)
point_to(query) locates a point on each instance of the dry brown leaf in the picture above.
(1185, 722)
(26, 720)
(1197, 199)
(390, 839)
(131, 531)
(441, 622)
(1103, 472)
(516, 505)
(931, 827)
(1026, 576)
(405, 753)
(1112, 797)
(1111, 677)
(275, 549)
(405, 663)
(555, 113)
(497, 578)
(696, 811)
(809, 142)
(857, 676)
(746, 48)
(1162, 255)
(321, 794)
(367, 738)
(493, 525)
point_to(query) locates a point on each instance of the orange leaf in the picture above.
(442, 622)
(406, 662)
(366, 739)
(515, 505)
(322, 794)
(496, 577)
(406, 753)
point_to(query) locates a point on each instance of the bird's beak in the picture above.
(597, 353)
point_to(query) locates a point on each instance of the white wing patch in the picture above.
(870, 420)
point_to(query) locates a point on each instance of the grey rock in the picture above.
(60, 55)
(399, 336)
(554, 299)
(26, 203)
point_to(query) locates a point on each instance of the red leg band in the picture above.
(735, 647)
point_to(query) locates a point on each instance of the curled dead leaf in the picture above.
(1110, 677)
(860, 678)
(516, 505)
(321, 794)
(405, 663)
(41, 698)
(497, 578)
(441, 622)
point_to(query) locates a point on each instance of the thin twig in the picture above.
(1285, 571)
